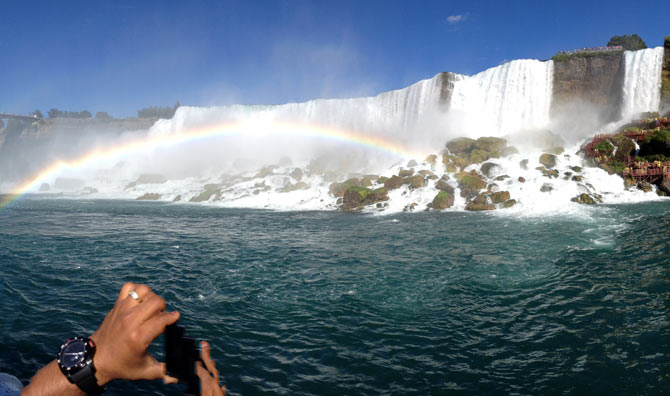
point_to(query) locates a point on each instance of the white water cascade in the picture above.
(505, 99)
(642, 81)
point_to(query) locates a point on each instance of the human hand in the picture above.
(209, 376)
(127, 331)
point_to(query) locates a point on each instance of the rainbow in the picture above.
(248, 128)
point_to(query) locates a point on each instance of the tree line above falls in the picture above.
(147, 112)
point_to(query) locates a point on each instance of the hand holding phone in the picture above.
(180, 357)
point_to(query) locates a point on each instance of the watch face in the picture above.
(73, 353)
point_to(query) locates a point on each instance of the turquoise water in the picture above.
(315, 303)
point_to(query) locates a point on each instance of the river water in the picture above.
(319, 303)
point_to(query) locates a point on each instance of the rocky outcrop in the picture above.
(149, 197)
(470, 185)
(548, 160)
(587, 199)
(147, 178)
(355, 198)
(665, 76)
(592, 82)
(443, 200)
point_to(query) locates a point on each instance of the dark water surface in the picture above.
(324, 303)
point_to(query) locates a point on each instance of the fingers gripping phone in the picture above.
(180, 357)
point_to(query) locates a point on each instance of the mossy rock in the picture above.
(521, 179)
(428, 174)
(502, 177)
(371, 178)
(382, 179)
(500, 197)
(431, 159)
(405, 172)
(523, 164)
(584, 199)
(577, 178)
(294, 187)
(644, 186)
(480, 203)
(204, 196)
(416, 181)
(394, 182)
(149, 197)
(296, 174)
(491, 144)
(558, 150)
(355, 195)
(576, 169)
(548, 160)
(442, 185)
(508, 204)
(546, 187)
(478, 156)
(411, 163)
(443, 200)
(177, 198)
(470, 185)
(509, 150)
(490, 169)
(460, 145)
(338, 189)
(265, 171)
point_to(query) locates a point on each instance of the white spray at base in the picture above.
(515, 96)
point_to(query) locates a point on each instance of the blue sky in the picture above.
(120, 56)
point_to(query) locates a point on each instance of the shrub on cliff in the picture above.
(629, 43)
(658, 143)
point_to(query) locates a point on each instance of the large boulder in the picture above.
(416, 181)
(500, 197)
(664, 185)
(294, 187)
(393, 182)
(338, 189)
(507, 151)
(405, 172)
(481, 202)
(443, 200)
(442, 185)
(470, 185)
(585, 199)
(357, 197)
(460, 145)
(508, 204)
(548, 160)
(149, 197)
(431, 159)
(491, 144)
(489, 169)
(478, 155)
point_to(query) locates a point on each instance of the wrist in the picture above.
(102, 375)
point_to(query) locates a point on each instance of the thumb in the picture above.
(152, 369)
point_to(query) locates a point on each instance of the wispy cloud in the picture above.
(454, 19)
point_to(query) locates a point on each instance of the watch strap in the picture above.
(85, 380)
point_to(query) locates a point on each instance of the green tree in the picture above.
(102, 115)
(85, 114)
(37, 113)
(629, 43)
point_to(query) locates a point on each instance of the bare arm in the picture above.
(49, 381)
(122, 341)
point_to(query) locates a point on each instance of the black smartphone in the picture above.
(180, 357)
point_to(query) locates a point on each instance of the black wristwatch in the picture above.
(75, 359)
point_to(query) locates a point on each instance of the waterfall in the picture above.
(642, 81)
(511, 97)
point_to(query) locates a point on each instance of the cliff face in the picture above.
(665, 84)
(590, 83)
